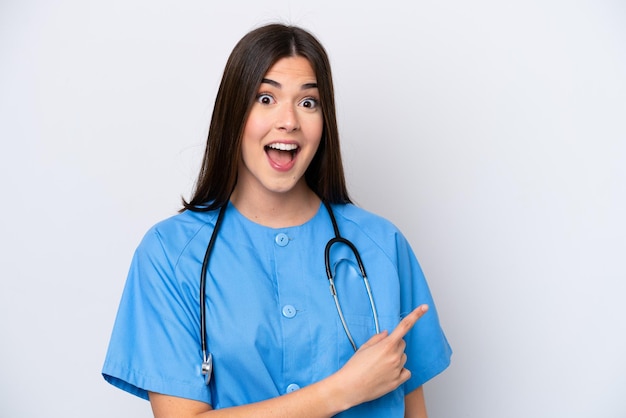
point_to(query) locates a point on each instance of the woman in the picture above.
(270, 195)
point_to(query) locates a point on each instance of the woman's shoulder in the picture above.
(173, 234)
(187, 220)
(354, 219)
(364, 219)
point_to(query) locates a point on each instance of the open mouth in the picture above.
(280, 153)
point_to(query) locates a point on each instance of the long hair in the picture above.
(248, 63)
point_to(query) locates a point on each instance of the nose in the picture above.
(287, 119)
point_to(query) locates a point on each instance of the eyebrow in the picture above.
(276, 84)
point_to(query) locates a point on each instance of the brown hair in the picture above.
(250, 60)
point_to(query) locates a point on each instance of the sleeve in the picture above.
(155, 345)
(428, 351)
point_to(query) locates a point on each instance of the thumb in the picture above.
(374, 340)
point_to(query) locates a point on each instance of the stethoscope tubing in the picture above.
(207, 358)
(333, 290)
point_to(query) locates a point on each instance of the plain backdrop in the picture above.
(493, 133)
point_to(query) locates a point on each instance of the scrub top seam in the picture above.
(369, 237)
(180, 253)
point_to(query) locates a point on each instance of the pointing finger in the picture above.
(408, 321)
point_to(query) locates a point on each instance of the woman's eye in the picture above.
(309, 103)
(265, 99)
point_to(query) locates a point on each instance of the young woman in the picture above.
(255, 247)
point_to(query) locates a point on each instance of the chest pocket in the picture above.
(359, 319)
(356, 307)
(357, 312)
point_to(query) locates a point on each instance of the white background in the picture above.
(493, 133)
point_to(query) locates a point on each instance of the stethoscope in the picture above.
(207, 358)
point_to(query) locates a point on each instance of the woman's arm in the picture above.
(375, 369)
(316, 400)
(414, 404)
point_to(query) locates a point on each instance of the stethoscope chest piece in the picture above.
(207, 368)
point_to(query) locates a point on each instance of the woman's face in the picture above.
(283, 130)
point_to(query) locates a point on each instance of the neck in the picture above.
(277, 210)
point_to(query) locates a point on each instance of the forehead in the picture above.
(292, 67)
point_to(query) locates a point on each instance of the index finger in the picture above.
(408, 321)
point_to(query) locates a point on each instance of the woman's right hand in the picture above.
(377, 367)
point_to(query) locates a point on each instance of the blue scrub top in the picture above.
(272, 325)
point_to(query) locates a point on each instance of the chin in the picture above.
(286, 188)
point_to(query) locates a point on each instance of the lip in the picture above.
(284, 166)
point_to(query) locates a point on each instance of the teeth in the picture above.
(283, 147)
